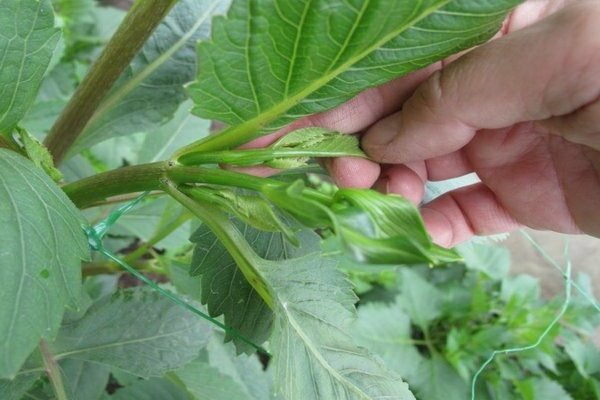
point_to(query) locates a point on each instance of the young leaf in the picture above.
(151, 90)
(118, 330)
(39, 154)
(298, 58)
(27, 41)
(226, 292)
(41, 246)
(291, 151)
(317, 142)
(314, 356)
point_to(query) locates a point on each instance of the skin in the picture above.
(522, 111)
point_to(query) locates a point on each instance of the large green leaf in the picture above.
(272, 61)
(226, 292)
(314, 355)
(41, 246)
(137, 331)
(27, 41)
(150, 91)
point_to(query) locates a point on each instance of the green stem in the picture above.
(53, 371)
(138, 25)
(254, 156)
(96, 189)
(232, 239)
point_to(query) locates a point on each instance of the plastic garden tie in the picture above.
(96, 233)
(568, 284)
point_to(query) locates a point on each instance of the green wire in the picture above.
(95, 235)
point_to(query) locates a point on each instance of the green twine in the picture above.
(95, 235)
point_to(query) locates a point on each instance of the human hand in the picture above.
(519, 111)
(523, 112)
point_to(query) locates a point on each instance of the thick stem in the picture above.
(53, 371)
(140, 178)
(140, 22)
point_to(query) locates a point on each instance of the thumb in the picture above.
(533, 74)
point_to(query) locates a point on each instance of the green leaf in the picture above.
(376, 228)
(585, 355)
(318, 141)
(386, 331)
(250, 209)
(226, 292)
(83, 380)
(245, 370)
(41, 246)
(183, 129)
(491, 259)
(438, 381)
(421, 300)
(151, 90)
(27, 41)
(294, 59)
(541, 389)
(206, 382)
(39, 154)
(16, 388)
(314, 355)
(137, 331)
(153, 389)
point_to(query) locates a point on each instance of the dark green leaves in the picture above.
(27, 41)
(41, 246)
(285, 60)
(226, 292)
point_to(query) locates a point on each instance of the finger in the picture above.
(403, 180)
(448, 166)
(582, 126)
(545, 70)
(353, 172)
(463, 213)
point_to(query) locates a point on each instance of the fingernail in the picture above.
(382, 185)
